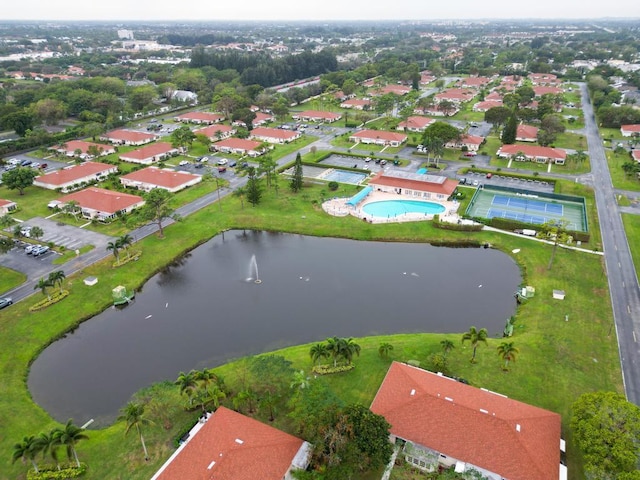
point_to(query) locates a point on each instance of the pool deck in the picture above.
(338, 208)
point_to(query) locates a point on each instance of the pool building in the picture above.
(416, 185)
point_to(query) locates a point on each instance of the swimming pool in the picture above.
(393, 208)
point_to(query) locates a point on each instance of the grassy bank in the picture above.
(10, 279)
(558, 359)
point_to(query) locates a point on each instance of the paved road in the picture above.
(621, 274)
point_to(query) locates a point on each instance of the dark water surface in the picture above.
(204, 311)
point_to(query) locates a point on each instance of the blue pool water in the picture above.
(392, 208)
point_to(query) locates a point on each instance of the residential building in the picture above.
(379, 137)
(238, 146)
(526, 133)
(153, 177)
(274, 135)
(636, 155)
(475, 82)
(415, 124)
(156, 152)
(80, 148)
(630, 130)
(445, 423)
(128, 137)
(103, 205)
(216, 132)
(544, 90)
(229, 445)
(533, 153)
(395, 89)
(317, 116)
(543, 79)
(207, 118)
(486, 105)
(261, 119)
(471, 142)
(455, 95)
(357, 103)
(420, 186)
(74, 176)
(7, 206)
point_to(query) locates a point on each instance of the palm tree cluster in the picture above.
(203, 388)
(49, 443)
(124, 242)
(336, 349)
(54, 278)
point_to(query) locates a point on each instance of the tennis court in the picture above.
(529, 207)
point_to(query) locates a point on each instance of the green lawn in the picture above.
(618, 177)
(571, 141)
(32, 204)
(632, 229)
(558, 360)
(10, 279)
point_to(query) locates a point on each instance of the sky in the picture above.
(313, 9)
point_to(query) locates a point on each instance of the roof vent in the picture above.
(449, 399)
(484, 411)
(413, 391)
(213, 462)
(239, 442)
(517, 427)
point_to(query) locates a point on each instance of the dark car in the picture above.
(222, 169)
(233, 163)
(44, 165)
(25, 163)
(5, 302)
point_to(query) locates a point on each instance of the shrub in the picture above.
(52, 473)
(329, 369)
(333, 186)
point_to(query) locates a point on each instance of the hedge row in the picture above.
(52, 473)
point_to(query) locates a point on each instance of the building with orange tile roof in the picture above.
(232, 446)
(630, 130)
(68, 178)
(72, 147)
(379, 137)
(153, 177)
(216, 132)
(420, 186)
(101, 204)
(357, 103)
(7, 206)
(238, 146)
(526, 133)
(128, 137)
(544, 90)
(273, 135)
(156, 152)
(415, 124)
(200, 117)
(472, 142)
(317, 116)
(533, 153)
(447, 423)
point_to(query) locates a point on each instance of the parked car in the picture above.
(222, 169)
(222, 161)
(383, 162)
(35, 165)
(39, 250)
(183, 163)
(5, 302)
(43, 165)
(199, 165)
(203, 159)
(25, 231)
(29, 248)
(25, 163)
(233, 163)
(489, 175)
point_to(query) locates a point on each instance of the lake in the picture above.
(206, 309)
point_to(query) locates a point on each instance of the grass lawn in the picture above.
(10, 279)
(32, 204)
(632, 229)
(618, 176)
(571, 141)
(558, 360)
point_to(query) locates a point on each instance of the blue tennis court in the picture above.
(345, 176)
(521, 217)
(528, 204)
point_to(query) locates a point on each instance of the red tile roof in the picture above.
(129, 136)
(6, 203)
(75, 172)
(539, 91)
(101, 200)
(317, 114)
(231, 446)
(456, 94)
(424, 183)
(486, 105)
(380, 134)
(526, 131)
(416, 122)
(266, 132)
(630, 128)
(211, 131)
(636, 155)
(201, 117)
(356, 102)
(73, 145)
(153, 150)
(471, 139)
(161, 177)
(488, 430)
(238, 144)
(533, 151)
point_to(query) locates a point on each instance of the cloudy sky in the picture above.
(312, 9)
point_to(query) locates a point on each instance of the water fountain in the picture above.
(253, 271)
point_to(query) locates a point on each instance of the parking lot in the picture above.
(476, 179)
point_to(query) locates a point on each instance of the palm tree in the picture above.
(114, 247)
(205, 377)
(57, 277)
(49, 443)
(133, 414)
(26, 450)
(246, 397)
(318, 351)
(125, 242)
(474, 337)
(269, 401)
(349, 349)
(69, 436)
(447, 346)
(300, 380)
(508, 353)
(188, 384)
(384, 349)
(335, 347)
(43, 285)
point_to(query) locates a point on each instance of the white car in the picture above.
(223, 161)
(183, 163)
(35, 165)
